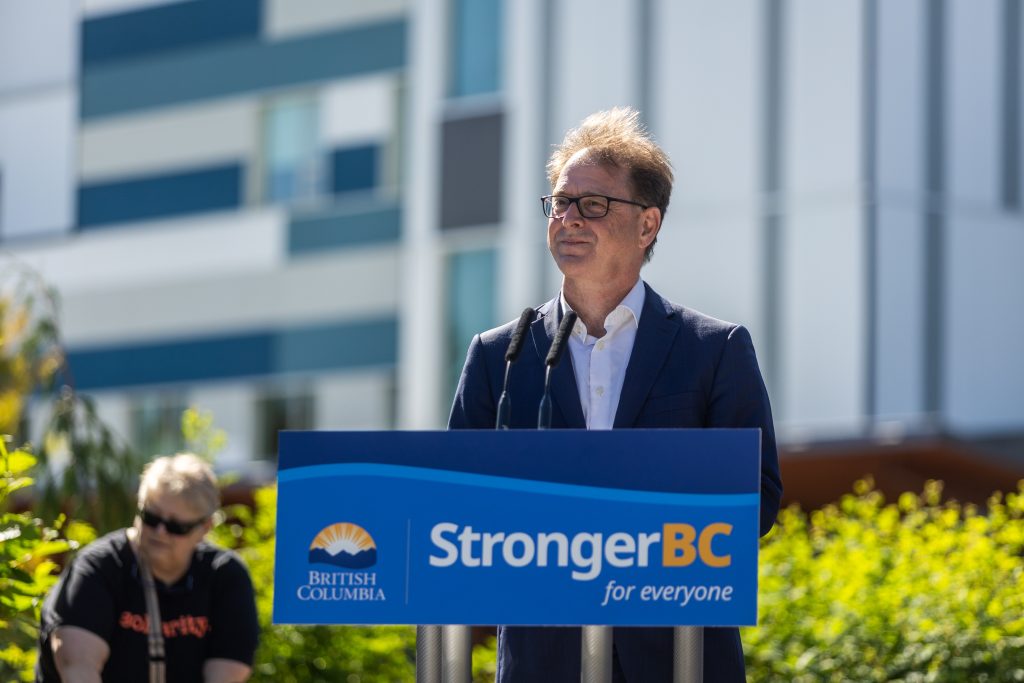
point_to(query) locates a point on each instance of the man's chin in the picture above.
(573, 263)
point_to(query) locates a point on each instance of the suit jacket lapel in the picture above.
(564, 394)
(654, 337)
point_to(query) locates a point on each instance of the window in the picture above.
(476, 48)
(156, 424)
(293, 167)
(471, 163)
(280, 409)
(470, 286)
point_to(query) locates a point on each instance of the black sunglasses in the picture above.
(153, 520)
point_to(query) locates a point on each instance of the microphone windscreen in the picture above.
(516, 345)
(558, 345)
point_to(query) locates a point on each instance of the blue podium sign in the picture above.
(558, 527)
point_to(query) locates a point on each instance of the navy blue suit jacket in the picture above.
(686, 370)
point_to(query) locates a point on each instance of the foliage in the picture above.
(916, 590)
(201, 437)
(84, 461)
(485, 661)
(90, 472)
(30, 351)
(28, 549)
(309, 653)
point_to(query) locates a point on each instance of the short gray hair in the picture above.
(184, 475)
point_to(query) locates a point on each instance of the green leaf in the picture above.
(19, 461)
(79, 532)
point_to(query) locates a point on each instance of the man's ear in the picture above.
(650, 226)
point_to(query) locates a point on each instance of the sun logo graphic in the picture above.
(343, 545)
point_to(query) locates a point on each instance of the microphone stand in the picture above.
(503, 416)
(554, 356)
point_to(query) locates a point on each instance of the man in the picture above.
(635, 360)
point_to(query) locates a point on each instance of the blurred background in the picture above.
(296, 213)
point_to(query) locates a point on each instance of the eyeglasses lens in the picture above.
(153, 520)
(591, 206)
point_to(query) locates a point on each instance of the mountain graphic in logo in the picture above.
(343, 545)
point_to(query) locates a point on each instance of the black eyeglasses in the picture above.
(153, 520)
(590, 206)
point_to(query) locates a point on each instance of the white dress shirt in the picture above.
(600, 364)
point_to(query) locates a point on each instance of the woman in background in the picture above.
(154, 601)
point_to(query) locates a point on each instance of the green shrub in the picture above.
(917, 590)
(27, 569)
(288, 654)
(914, 591)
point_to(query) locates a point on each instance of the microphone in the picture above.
(504, 416)
(554, 355)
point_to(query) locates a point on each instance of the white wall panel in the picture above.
(593, 74)
(38, 43)
(900, 113)
(36, 158)
(147, 254)
(707, 111)
(822, 334)
(900, 158)
(822, 111)
(899, 391)
(169, 140)
(972, 99)
(707, 115)
(97, 8)
(823, 342)
(523, 252)
(421, 332)
(232, 405)
(984, 324)
(358, 111)
(285, 18)
(711, 261)
(355, 400)
(305, 291)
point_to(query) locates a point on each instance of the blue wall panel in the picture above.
(342, 345)
(315, 233)
(225, 70)
(169, 27)
(354, 168)
(334, 346)
(160, 196)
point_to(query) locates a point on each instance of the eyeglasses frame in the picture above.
(576, 200)
(173, 527)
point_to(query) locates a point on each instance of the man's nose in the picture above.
(572, 215)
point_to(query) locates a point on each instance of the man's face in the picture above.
(608, 250)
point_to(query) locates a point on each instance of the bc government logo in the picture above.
(349, 551)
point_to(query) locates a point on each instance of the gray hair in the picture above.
(184, 475)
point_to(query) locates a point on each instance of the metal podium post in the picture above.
(688, 654)
(596, 654)
(457, 654)
(428, 654)
(444, 654)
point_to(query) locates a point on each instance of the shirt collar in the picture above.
(633, 302)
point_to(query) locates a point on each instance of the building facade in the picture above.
(296, 213)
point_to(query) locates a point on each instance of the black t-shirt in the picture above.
(210, 613)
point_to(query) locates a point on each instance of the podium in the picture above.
(542, 528)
